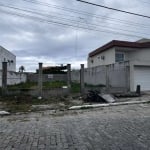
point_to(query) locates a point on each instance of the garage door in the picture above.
(142, 77)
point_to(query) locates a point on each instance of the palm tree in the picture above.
(21, 69)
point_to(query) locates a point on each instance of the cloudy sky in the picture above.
(64, 31)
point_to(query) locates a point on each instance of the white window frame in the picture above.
(120, 53)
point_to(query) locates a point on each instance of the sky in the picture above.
(57, 32)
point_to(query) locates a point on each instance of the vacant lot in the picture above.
(119, 127)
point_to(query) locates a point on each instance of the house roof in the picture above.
(4, 49)
(119, 44)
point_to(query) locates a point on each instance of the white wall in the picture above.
(131, 54)
(5, 55)
(97, 61)
(14, 78)
(113, 76)
(140, 55)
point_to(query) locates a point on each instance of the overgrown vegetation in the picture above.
(75, 87)
(54, 84)
(33, 85)
(26, 85)
(23, 103)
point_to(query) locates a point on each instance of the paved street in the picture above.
(113, 128)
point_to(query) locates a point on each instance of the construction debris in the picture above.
(4, 113)
(94, 96)
(108, 98)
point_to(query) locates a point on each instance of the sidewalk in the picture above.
(108, 104)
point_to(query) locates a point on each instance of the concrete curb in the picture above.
(108, 104)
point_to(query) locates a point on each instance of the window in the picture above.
(102, 57)
(119, 57)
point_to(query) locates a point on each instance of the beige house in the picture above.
(136, 53)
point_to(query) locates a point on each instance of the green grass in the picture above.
(75, 87)
(27, 85)
(33, 85)
(54, 84)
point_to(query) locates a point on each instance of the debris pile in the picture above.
(4, 113)
(96, 96)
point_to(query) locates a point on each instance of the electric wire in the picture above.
(83, 12)
(106, 7)
(64, 19)
(68, 25)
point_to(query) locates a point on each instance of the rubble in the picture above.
(4, 113)
(96, 96)
(108, 98)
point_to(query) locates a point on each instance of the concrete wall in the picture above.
(13, 78)
(46, 93)
(95, 75)
(109, 58)
(112, 76)
(47, 77)
(7, 56)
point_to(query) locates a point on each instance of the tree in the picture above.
(21, 69)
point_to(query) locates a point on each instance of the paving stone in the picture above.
(115, 128)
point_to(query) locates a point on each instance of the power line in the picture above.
(123, 11)
(73, 21)
(68, 25)
(89, 27)
(86, 13)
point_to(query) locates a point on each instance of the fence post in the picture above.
(69, 76)
(82, 79)
(127, 78)
(4, 78)
(40, 81)
(107, 78)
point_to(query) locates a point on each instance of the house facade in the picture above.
(136, 53)
(120, 51)
(10, 58)
(13, 77)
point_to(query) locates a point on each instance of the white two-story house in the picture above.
(137, 53)
(10, 58)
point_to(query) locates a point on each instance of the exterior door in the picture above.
(142, 77)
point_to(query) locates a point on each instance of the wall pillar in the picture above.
(82, 88)
(4, 78)
(69, 76)
(131, 76)
(127, 80)
(40, 79)
(107, 78)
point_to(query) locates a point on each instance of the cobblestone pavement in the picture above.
(113, 128)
